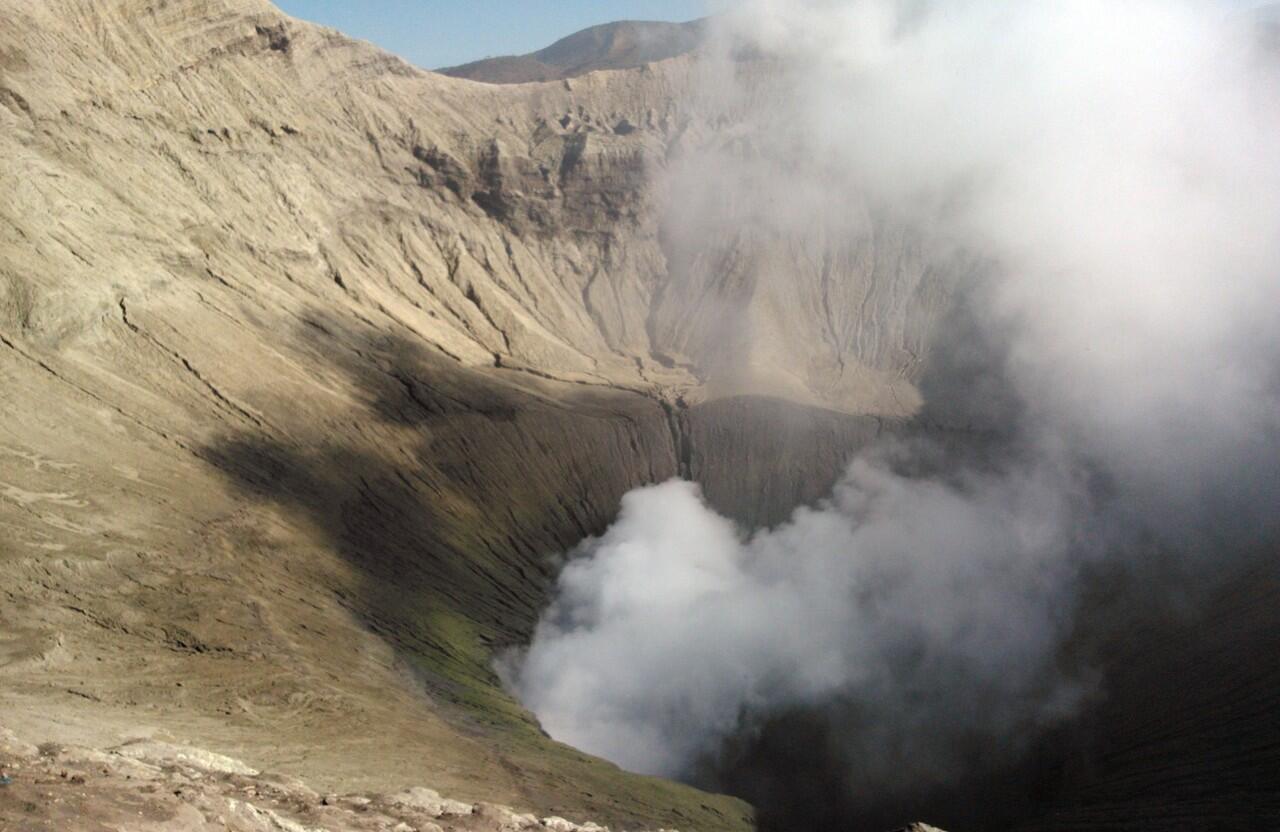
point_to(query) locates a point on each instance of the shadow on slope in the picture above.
(450, 492)
(453, 491)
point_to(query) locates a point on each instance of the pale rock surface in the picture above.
(165, 165)
(161, 753)
(430, 801)
(184, 788)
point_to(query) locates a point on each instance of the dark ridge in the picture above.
(622, 45)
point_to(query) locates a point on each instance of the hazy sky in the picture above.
(436, 33)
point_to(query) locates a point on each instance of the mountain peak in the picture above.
(623, 44)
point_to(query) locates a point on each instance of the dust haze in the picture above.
(1098, 188)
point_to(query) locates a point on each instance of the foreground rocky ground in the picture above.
(155, 785)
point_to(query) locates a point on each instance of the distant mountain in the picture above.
(621, 45)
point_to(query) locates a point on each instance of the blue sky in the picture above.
(436, 33)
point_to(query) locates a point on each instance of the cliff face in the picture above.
(313, 362)
(511, 226)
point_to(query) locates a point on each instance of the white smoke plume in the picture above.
(1116, 166)
(672, 626)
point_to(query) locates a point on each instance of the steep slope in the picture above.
(624, 44)
(313, 362)
(1186, 736)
